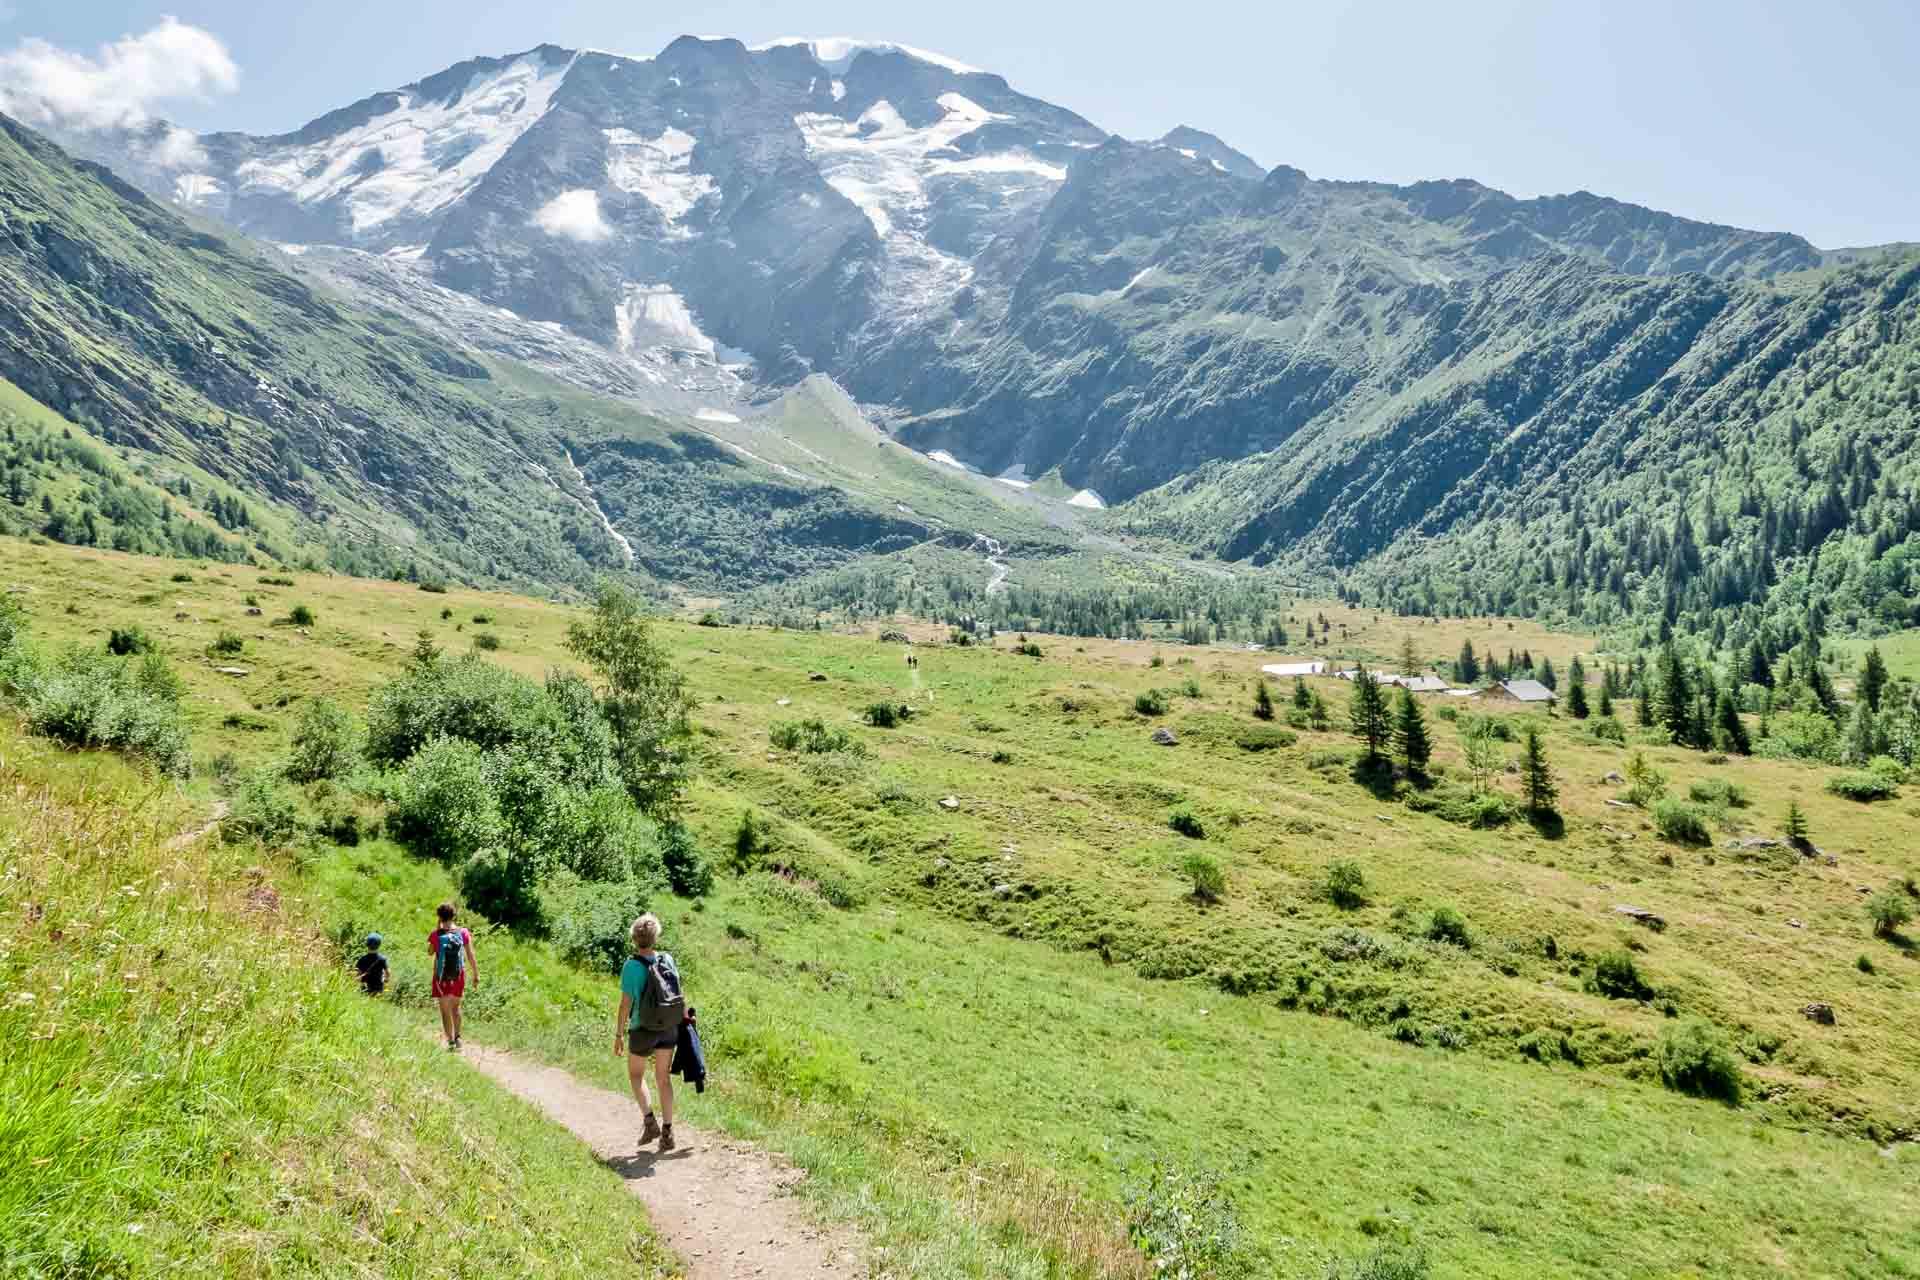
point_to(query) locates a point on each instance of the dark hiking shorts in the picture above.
(644, 1042)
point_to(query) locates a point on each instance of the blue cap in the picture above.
(374, 940)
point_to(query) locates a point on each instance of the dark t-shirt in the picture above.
(372, 968)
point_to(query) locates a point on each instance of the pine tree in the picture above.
(1863, 735)
(1577, 700)
(1466, 668)
(1547, 677)
(1796, 825)
(1300, 698)
(1410, 734)
(1262, 702)
(1317, 715)
(1409, 659)
(1368, 713)
(1537, 776)
(1729, 732)
(1873, 679)
(1675, 708)
(1606, 699)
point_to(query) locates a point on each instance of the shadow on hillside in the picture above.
(1376, 774)
(643, 1164)
(1548, 823)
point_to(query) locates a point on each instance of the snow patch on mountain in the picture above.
(655, 315)
(1089, 499)
(418, 158)
(836, 53)
(659, 170)
(574, 215)
(716, 415)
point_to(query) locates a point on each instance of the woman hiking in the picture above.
(647, 1026)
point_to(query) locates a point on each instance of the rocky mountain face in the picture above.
(1265, 364)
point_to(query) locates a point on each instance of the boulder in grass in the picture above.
(950, 803)
(1642, 916)
(1820, 1012)
(1165, 737)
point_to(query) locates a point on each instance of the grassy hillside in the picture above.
(189, 1085)
(1021, 987)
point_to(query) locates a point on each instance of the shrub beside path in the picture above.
(723, 1206)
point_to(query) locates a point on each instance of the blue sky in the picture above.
(1764, 113)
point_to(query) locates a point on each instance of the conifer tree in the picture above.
(1317, 714)
(1606, 699)
(1409, 660)
(1796, 824)
(1262, 701)
(1368, 713)
(1466, 668)
(1300, 698)
(1577, 700)
(1410, 734)
(1546, 675)
(1537, 776)
(1729, 732)
(1873, 679)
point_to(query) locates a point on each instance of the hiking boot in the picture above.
(650, 1130)
(666, 1138)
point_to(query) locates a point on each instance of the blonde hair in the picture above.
(645, 932)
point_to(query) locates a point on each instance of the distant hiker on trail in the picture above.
(648, 1025)
(372, 967)
(452, 950)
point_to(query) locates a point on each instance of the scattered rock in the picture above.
(1642, 916)
(1002, 889)
(817, 677)
(1621, 804)
(232, 671)
(1383, 817)
(255, 612)
(1754, 842)
(1613, 778)
(941, 864)
(950, 803)
(1165, 737)
(182, 616)
(783, 702)
(1819, 1012)
(1513, 766)
(1796, 924)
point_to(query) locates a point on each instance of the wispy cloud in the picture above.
(121, 84)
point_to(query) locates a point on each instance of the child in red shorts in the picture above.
(451, 950)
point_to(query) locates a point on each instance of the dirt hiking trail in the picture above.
(722, 1206)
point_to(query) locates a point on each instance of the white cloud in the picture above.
(575, 214)
(119, 86)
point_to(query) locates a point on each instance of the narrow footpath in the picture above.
(722, 1206)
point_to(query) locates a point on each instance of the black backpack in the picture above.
(451, 960)
(662, 1006)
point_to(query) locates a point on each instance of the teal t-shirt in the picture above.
(633, 981)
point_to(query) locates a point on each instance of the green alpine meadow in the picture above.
(1164, 716)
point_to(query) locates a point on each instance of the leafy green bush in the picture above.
(444, 805)
(1187, 823)
(809, 736)
(1861, 785)
(1617, 977)
(263, 811)
(753, 840)
(301, 616)
(276, 582)
(1681, 822)
(1481, 810)
(228, 644)
(1028, 649)
(1694, 1059)
(87, 699)
(1718, 794)
(1264, 737)
(1346, 885)
(125, 643)
(688, 872)
(885, 715)
(326, 743)
(486, 641)
(1385, 1263)
(181, 576)
(1190, 688)
(1184, 1223)
(434, 586)
(1152, 702)
(589, 921)
(1448, 926)
(1889, 911)
(504, 885)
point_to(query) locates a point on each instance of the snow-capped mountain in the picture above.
(994, 275)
